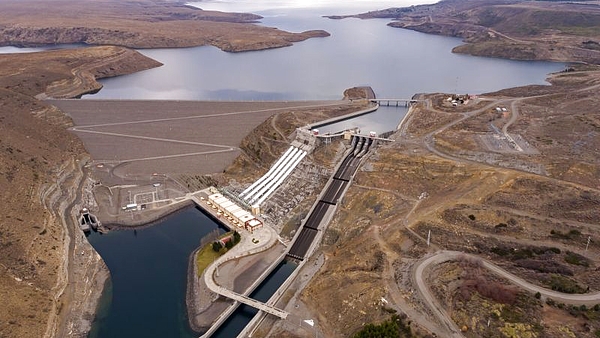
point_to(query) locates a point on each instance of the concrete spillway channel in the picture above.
(321, 213)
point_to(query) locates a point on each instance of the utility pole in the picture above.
(588, 243)
(428, 237)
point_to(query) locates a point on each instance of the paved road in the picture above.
(266, 237)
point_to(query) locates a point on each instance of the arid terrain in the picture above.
(510, 178)
(511, 29)
(40, 165)
(136, 24)
(531, 214)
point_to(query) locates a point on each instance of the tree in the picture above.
(216, 246)
(392, 328)
(236, 237)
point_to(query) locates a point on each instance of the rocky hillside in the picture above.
(136, 24)
(512, 29)
(39, 175)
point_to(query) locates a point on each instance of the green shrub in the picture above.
(564, 284)
(576, 259)
(392, 328)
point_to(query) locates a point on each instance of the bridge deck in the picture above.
(252, 302)
(394, 100)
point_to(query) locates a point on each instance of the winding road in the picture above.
(420, 271)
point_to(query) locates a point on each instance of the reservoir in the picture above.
(396, 63)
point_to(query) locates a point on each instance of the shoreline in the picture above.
(149, 220)
(83, 285)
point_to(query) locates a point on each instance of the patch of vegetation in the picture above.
(396, 327)
(229, 239)
(489, 18)
(573, 233)
(576, 259)
(563, 284)
(205, 257)
(545, 266)
(495, 291)
(512, 314)
(210, 252)
(523, 253)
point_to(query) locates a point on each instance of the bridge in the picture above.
(397, 102)
(251, 302)
(267, 237)
(341, 134)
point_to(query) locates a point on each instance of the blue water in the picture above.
(244, 314)
(146, 296)
(395, 62)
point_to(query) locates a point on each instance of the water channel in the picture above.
(146, 296)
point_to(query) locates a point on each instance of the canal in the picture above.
(244, 314)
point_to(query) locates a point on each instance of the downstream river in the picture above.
(148, 267)
(146, 297)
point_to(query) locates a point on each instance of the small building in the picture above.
(226, 240)
(253, 224)
(130, 206)
(245, 218)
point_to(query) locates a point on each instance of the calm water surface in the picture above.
(148, 267)
(244, 314)
(395, 62)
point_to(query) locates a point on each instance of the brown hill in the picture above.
(513, 29)
(136, 24)
(39, 173)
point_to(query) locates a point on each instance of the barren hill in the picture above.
(136, 24)
(40, 170)
(513, 29)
